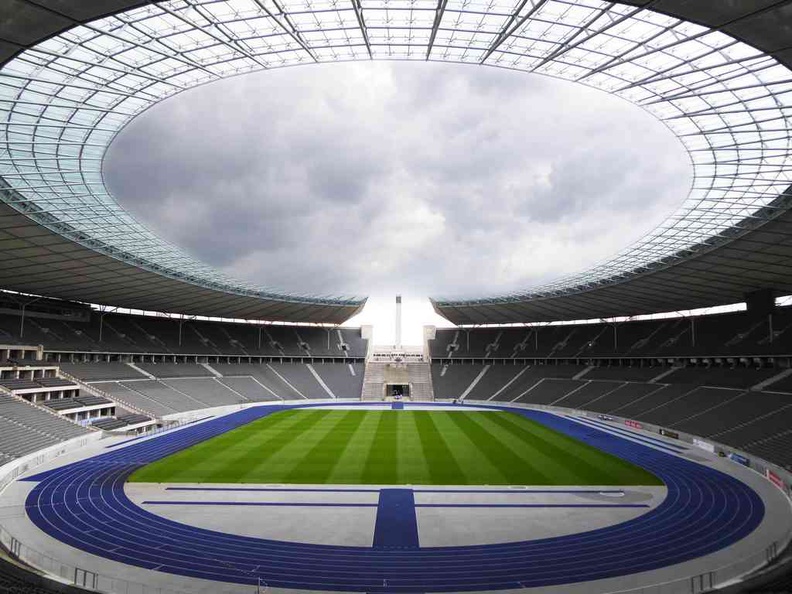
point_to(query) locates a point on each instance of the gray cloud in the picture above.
(424, 178)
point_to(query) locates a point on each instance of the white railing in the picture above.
(109, 584)
(97, 392)
(60, 571)
(10, 471)
(717, 578)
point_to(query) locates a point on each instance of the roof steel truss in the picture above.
(63, 100)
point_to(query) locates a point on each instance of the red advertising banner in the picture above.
(633, 424)
(774, 478)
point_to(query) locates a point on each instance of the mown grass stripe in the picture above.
(319, 462)
(283, 460)
(195, 464)
(252, 466)
(413, 464)
(599, 468)
(349, 468)
(467, 453)
(382, 463)
(354, 447)
(442, 466)
(539, 454)
(514, 468)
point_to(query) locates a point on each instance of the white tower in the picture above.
(398, 341)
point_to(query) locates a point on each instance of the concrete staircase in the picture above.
(417, 375)
(420, 377)
(396, 373)
(373, 380)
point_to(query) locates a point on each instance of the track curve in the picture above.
(84, 505)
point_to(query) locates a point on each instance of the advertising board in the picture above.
(704, 445)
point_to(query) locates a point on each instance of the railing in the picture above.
(96, 391)
(171, 426)
(109, 584)
(11, 470)
(706, 582)
(71, 574)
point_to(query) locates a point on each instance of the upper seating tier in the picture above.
(737, 334)
(122, 333)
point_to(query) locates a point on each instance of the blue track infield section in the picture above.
(397, 526)
(84, 505)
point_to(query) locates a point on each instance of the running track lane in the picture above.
(84, 505)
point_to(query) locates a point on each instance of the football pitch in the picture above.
(394, 447)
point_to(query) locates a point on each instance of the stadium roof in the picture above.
(714, 72)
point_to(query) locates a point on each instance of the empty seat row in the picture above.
(90, 400)
(25, 428)
(133, 418)
(79, 402)
(754, 420)
(54, 382)
(62, 404)
(108, 424)
(111, 370)
(168, 370)
(37, 383)
(123, 333)
(19, 384)
(241, 383)
(125, 420)
(505, 382)
(722, 335)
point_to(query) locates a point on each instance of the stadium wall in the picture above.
(12, 470)
(202, 413)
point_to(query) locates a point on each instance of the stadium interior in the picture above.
(122, 355)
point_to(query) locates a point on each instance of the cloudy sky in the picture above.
(377, 178)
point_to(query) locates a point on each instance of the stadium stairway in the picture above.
(420, 378)
(373, 380)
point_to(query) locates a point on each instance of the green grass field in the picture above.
(368, 447)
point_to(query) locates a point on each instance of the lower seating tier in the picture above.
(25, 428)
(239, 383)
(757, 421)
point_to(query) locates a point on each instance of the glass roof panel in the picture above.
(63, 101)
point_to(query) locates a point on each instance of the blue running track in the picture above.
(84, 505)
